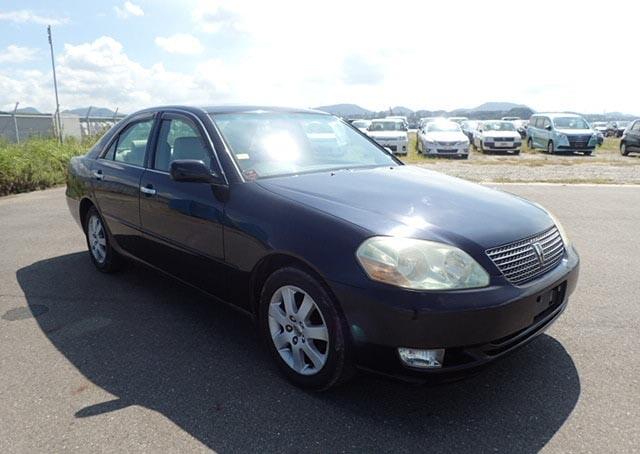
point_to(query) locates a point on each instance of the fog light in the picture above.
(424, 359)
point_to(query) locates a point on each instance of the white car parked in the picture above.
(497, 135)
(362, 125)
(391, 134)
(443, 138)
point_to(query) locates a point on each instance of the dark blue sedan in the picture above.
(345, 257)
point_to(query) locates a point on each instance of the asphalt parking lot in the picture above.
(136, 362)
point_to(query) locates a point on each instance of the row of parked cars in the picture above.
(612, 128)
(454, 136)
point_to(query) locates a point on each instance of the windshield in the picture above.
(387, 126)
(498, 126)
(570, 123)
(273, 143)
(443, 127)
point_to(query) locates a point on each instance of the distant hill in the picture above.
(95, 111)
(345, 110)
(28, 110)
(400, 110)
(495, 107)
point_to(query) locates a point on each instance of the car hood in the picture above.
(412, 202)
(442, 136)
(513, 134)
(394, 134)
(571, 132)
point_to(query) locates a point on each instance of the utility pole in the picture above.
(55, 87)
(15, 122)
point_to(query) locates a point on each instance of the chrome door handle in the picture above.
(98, 175)
(147, 190)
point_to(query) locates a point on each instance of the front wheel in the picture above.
(103, 256)
(305, 332)
(550, 147)
(623, 149)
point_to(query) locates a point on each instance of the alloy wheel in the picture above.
(298, 330)
(97, 239)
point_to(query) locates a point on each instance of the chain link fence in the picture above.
(21, 126)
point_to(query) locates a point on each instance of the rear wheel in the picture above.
(103, 256)
(305, 333)
(623, 149)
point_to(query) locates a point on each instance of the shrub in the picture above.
(36, 163)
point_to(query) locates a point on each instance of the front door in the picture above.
(182, 221)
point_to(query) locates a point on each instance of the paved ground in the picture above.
(136, 362)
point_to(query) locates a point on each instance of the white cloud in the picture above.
(128, 9)
(17, 54)
(212, 16)
(27, 16)
(180, 43)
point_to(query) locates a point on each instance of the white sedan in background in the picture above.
(497, 135)
(391, 134)
(362, 125)
(443, 138)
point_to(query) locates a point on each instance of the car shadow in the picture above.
(155, 343)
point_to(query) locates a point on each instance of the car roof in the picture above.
(556, 114)
(232, 109)
(389, 119)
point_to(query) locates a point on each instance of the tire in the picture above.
(482, 150)
(551, 147)
(102, 254)
(464, 156)
(623, 149)
(516, 153)
(419, 145)
(588, 153)
(319, 364)
(530, 144)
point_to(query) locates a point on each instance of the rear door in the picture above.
(116, 181)
(182, 221)
(633, 136)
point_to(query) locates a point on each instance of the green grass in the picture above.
(36, 163)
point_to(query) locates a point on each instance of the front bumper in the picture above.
(511, 147)
(475, 327)
(396, 146)
(438, 150)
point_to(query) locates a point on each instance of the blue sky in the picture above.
(131, 54)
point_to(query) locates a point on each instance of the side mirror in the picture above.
(548, 128)
(193, 171)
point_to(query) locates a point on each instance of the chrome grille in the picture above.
(524, 260)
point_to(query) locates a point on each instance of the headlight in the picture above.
(563, 232)
(431, 144)
(420, 264)
(487, 139)
(464, 143)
